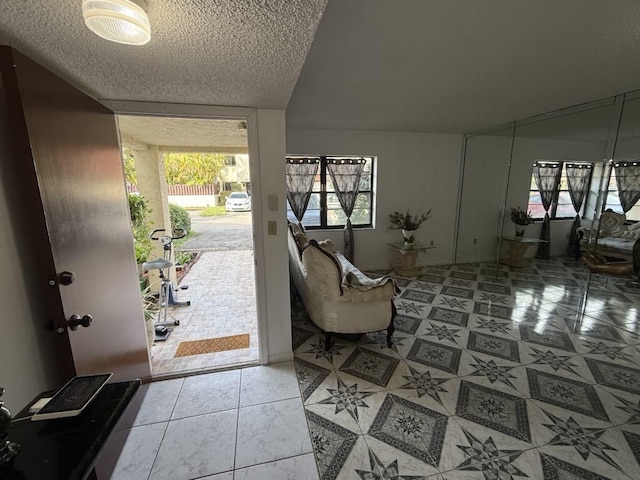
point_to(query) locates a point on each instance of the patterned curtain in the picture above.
(628, 180)
(301, 173)
(547, 176)
(345, 174)
(578, 179)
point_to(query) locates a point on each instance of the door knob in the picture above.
(66, 278)
(76, 321)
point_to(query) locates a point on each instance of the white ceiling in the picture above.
(411, 65)
(462, 65)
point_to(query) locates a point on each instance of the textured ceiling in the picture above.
(462, 65)
(188, 134)
(192, 133)
(412, 65)
(212, 52)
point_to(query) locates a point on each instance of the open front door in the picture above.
(70, 144)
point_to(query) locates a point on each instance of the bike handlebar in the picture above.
(175, 234)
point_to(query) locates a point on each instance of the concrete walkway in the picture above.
(232, 231)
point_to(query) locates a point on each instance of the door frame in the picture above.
(153, 109)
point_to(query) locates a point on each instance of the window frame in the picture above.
(324, 175)
(563, 177)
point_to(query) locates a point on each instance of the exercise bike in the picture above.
(167, 293)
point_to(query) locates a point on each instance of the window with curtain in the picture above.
(324, 210)
(561, 207)
(613, 200)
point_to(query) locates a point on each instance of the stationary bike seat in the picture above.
(157, 264)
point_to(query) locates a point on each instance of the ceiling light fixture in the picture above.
(122, 21)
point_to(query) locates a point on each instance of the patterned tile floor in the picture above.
(493, 375)
(223, 302)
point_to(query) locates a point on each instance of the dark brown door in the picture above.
(77, 215)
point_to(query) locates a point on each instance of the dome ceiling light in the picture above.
(122, 21)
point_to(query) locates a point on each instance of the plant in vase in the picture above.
(407, 223)
(521, 218)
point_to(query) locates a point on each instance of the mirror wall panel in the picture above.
(497, 175)
(580, 135)
(484, 183)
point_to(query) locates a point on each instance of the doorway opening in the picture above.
(193, 174)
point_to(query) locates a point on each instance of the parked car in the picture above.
(238, 202)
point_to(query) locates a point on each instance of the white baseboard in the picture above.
(281, 357)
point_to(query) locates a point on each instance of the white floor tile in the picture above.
(197, 446)
(208, 393)
(294, 468)
(159, 401)
(268, 383)
(139, 451)
(271, 431)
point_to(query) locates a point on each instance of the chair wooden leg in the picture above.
(391, 328)
(327, 341)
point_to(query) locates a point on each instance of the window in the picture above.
(613, 201)
(561, 207)
(324, 210)
(230, 161)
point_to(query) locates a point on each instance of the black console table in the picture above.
(67, 448)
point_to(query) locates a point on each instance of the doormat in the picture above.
(211, 345)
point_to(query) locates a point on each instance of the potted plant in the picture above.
(407, 223)
(521, 218)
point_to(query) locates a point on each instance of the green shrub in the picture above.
(139, 212)
(180, 218)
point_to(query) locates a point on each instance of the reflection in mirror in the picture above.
(499, 173)
(556, 165)
(484, 184)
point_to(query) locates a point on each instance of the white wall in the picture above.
(268, 128)
(414, 170)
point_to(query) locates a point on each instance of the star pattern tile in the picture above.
(492, 371)
(556, 469)
(406, 324)
(442, 332)
(492, 325)
(557, 362)
(494, 409)
(586, 441)
(435, 355)
(495, 346)
(417, 295)
(449, 316)
(410, 307)
(485, 457)
(633, 409)
(310, 376)
(326, 353)
(496, 311)
(347, 398)
(378, 471)
(453, 302)
(615, 376)
(410, 428)
(633, 440)
(371, 366)
(457, 292)
(549, 338)
(612, 351)
(424, 384)
(566, 393)
(331, 444)
(442, 403)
